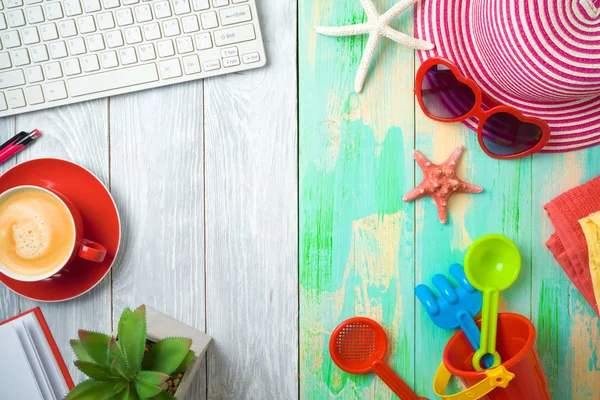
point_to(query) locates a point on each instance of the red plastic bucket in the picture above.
(516, 345)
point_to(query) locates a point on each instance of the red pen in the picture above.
(17, 143)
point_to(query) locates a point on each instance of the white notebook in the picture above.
(29, 368)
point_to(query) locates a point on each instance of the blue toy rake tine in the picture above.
(457, 271)
(428, 300)
(445, 288)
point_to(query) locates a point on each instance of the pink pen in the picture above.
(17, 143)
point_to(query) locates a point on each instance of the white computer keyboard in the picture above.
(56, 52)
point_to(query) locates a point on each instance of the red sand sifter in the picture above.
(519, 377)
(358, 345)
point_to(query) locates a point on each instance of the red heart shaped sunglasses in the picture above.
(446, 95)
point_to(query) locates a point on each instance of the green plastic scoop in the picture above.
(492, 264)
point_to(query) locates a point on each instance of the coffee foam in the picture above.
(36, 232)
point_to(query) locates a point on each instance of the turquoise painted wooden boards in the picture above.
(362, 250)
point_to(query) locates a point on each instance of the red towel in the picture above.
(568, 243)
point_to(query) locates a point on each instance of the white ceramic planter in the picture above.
(160, 326)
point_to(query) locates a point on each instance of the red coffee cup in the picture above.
(81, 247)
(519, 377)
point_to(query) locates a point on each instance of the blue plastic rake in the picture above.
(456, 307)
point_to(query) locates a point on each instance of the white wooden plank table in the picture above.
(205, 177)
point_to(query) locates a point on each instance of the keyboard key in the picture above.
(171, 28)
(209, 20)
(72, 7)
(127, 56)
(203, 41)
(2, 22)
(11, 78)
(190, 24)
(34, 74)
(229, 52)
(96, 42)
(86, 24)
(39, 53)
(55, 91)
(128, 2)
(15, 18)
(111, 3)
(16, 98)
(71, 67)
(220, 3)
(238, 1)
(165, 48)
(90, 63)
(170, 69)
(30, 35)
(109, 59)
(11, 39)
(35, 14)
(110, 80)
(184, 45)
(152, 31)
(191, 64)
(225, 37)
(54, 10)
(162, 9)
(211, 65)
(91, 5)
(114, 39)
(124, 17)
(143, 13)
(49, 32)
(105, 21)
(231, 61)
(133, 35)
(181, 7)
(76, 46)
(147, 52)
(67, 28)
(5, 61)
(235, 15)
(200, 5)
(53, 70)
(251, 58)
(20, 57)
(58, 50)
(13, 3)
(3, 105)
(34, 95)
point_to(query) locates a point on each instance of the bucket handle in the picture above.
(497, 377)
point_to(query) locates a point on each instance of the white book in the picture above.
(30, 365)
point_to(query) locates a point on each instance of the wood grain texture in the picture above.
(156, 160)
(251, 220)
(9, 301)
(356, 233)
(78, 133)
(345, 240)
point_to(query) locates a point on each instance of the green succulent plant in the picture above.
(122, 369)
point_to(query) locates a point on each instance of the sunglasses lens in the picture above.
(505, 135)
(444, 96)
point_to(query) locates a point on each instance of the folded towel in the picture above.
(591, 229)
(569, 244)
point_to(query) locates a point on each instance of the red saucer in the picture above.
(100, 222)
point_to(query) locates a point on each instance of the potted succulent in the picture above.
(148, 358)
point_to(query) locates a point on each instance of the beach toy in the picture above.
(358, 345)
(492, 264)
(519, 377)
(456, 307)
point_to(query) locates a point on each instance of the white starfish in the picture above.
(376, 26)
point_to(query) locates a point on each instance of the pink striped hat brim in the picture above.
(539, 56)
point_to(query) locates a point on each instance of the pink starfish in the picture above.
(440, 182)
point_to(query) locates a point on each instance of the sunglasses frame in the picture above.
(477, 111)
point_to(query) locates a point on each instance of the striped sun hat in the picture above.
(539, 56)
